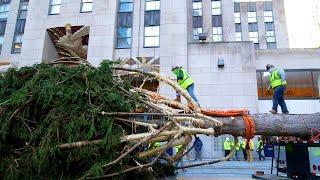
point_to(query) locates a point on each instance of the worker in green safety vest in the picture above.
(237, 146)
(154, 145)
(243, 147)
(278, 83)
(260, 148)
(185, 81)
(227, 145)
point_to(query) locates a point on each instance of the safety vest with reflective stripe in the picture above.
(260, 145)
(275, 79)
(227, 145)
(186, 81)
(178, 147)
(243, 144)
(237, 145)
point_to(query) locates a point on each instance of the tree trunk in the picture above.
(273, 125)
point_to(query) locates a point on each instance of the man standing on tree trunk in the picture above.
(278, 83)
(185, 81)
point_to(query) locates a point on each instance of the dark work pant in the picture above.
(226, 153)
(236, 155)
(198, 155)
(244, 154)
(278, 99)
(260, 155)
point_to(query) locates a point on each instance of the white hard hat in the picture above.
(174, 67)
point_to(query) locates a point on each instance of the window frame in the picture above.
(218, 34)
(145, 37)
(252, 17)
(22, 4)
(268, 16)
(196, 35)
(81, 6)
(51, 5)
(197, 9)
(215, 11)
(118, 37)
(152, 36)
(311, 71)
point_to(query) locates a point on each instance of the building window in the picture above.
(125, 6)
(4, 9)
(17, 43)
(124, 37)
(236, 7)
(252, 7)
(254, 35)
(270, 35)
(4, 12)
(252, 14)
(252, 17)
(197, 24)
(152, 24)
(216, 7)
(302, 84)
(237, 18)
(124, 24)
(152, 36)
(217, 34)
(268, 16)
(238, 36)
(3, 24)
(197, 8)
(152, 5)
(196, 32)
(253, 27)
(238, 32)
(86, 6)
(267, 6)
(20, 26)
(55, 6)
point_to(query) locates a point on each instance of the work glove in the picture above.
(284, 83)
(269, 91)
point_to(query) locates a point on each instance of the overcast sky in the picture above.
(303, 23)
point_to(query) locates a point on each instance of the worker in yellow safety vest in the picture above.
(249, 149)
(185, 81)
(154, 145)
(278, 83)
(260, 148)
(227, 145)
(243, 148)
(237, 146)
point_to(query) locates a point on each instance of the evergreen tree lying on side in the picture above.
(43, 106)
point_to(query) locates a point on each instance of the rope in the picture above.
(247, 119)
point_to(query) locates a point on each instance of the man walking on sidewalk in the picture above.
(260, 148)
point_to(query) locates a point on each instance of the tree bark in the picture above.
(272, 125)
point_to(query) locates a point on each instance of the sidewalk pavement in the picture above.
(225, 170)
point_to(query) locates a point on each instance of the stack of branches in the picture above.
(79, 122)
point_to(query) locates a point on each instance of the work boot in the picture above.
(285, 112)
(273, 111)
